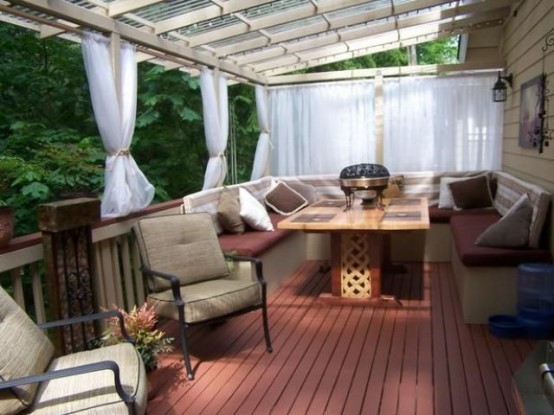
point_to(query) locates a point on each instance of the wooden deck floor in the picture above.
(418, 359)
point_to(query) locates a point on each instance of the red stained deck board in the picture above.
(349, 360)
(333, 366)
(233, 389)
(441, 378)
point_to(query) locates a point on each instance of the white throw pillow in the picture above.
(445, 195)
(253, 212)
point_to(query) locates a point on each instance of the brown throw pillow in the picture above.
(307, 191)
(282, 199)
(228, 212)
(472, 193)
(512, 230)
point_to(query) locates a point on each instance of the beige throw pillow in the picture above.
(228, 212)
(512, 230)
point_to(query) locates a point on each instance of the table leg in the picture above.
(356, 269)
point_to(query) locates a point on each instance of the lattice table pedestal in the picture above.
(356, 263)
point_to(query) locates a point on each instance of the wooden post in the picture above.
(67, 243)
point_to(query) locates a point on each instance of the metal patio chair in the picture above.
(108, 380)
(188, 277)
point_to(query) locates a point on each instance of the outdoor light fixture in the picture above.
(500, 91)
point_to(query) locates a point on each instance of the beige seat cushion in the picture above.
(182, 245)
(24, 351)
(94, 393)
(209, 299)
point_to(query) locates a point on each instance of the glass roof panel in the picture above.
(171, 8)
(295, 24)
(236, 39)
(272, 8)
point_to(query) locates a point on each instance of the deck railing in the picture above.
(117, 279)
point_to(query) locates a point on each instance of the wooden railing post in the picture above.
(67, 244)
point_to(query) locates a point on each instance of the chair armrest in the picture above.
(258, 264)
(91, 317)
(77, 370)
(173, 280)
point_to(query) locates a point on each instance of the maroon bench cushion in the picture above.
(253, 243)
(465, 230)
(437, 215)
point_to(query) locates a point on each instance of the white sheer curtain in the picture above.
(126, 189)
(216, 126)
(261, 158)
(441, 124)
(321, 128)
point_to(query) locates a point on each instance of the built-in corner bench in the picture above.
(485, 276)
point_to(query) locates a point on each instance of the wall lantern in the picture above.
(500, 90)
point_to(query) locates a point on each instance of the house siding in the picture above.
(522, 42)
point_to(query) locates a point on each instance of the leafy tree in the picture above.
(169, 142)
(49, 142)
(441, 51)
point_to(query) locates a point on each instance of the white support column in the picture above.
(379, 118)
(115, 47)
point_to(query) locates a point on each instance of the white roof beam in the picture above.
(274, 19)
(207, 13)
(329, 24)
(366, 46)
(119, 7)
(364, 31)
(70, 12)
(391, 71)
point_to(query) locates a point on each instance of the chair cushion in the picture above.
(209, 299)
(182, 245)
(94, 392)
(254, 243)
(25, 351)
(465, 230)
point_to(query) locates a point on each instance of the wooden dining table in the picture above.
(358, 241)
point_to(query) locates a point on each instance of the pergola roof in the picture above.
(257, 40)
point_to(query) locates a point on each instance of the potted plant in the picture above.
(140, 324)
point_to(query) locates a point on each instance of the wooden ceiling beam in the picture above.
(325, 25)
(206, 13)
(291, 63)
(120, 7)
(78, 15)
(366, 31)
(274, 19)
(390, 71)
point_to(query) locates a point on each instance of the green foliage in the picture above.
(244, 125)
(441, 51)
(49, 142)
(169, 143)
(41, 165)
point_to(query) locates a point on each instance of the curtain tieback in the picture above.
(120, 152)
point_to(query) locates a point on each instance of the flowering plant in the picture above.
(140, 324)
